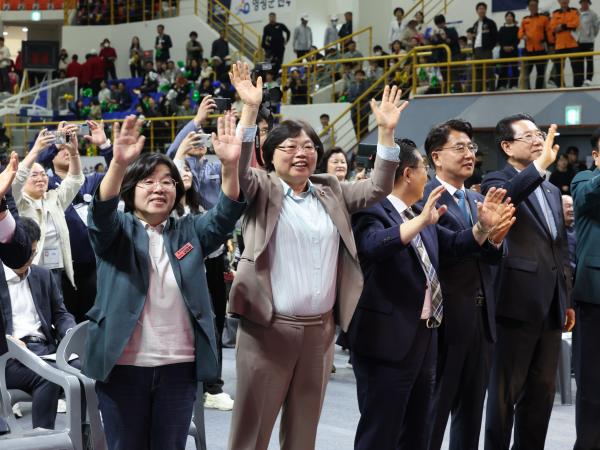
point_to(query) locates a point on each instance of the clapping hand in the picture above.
(491, 211)
(387, 113)
(8, 174)
(430, 213)
(226, 144)
(128, 140)
(240, 79)
(507, 220)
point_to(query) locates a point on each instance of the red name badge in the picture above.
(179, 254)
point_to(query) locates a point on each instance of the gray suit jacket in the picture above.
(251, 296)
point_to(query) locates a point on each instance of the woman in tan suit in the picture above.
(299, 271)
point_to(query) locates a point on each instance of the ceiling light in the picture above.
(24, 29)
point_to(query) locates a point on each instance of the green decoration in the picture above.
(112, 108)
(165, 88)
(196, 96)
(434, 81)
(187, 74)
(180, 64)
(422, 74)
(85, 111)
(104, 105)
(87, 92)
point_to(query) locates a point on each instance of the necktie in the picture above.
(462, 204)
(546, 211)
(437, 307)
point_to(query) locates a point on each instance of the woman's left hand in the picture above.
(227, 145)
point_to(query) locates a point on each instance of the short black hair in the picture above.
(480, 4)
(285, 130)
(193, 34)
(74, 57)
(324, 115)
(504, 130)
(357, 71)
(439, 19)
(594, 139)
(572, 149)
(408, 156)
(31, 228)
(438, 135)
(329, 154)
(510, 13)
(377, 47)
(398, 9)
(142, 168)
(160, 25)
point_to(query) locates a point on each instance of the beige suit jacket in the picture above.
(251, 296)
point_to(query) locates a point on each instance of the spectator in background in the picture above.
(360, 112)
(589, 26)
(331, 32)
(274, 42)
(297, 85)
(205, 70)
(351, 52)
(104, 95)
(346, 28)
(136, 54)
(395, 33)
(444, 34)
(109, 56)
(335, 162)
(508, 39)
(303, 39)
(574, 163)
(486, 38)
(123, 98)
(74, 70)
(193, 49)
(420, 18)
(562, 175)
(410, 32)
(328, 139)
(162, 44)
(220, 46)
(63, 60)
(563, 23)
(97, 73)
(150, 82)
(5, 63)
(374, 71)
(535, 30)
(569, 215)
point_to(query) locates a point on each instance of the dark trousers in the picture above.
(509, 72)
(218, 295)
(522, 383)
(109, 69)
(147, 408)
(301, 53)
(576, 68)
(587, 61)
(276, 58)
(79, 301)
(395, 400)
(490, 79)
(540, 70)
(44, 393)
(463, 372)
(361, 124)
(136, 70)
(586, 336)
(4, 80)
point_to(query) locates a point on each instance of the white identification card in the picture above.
(51, 258)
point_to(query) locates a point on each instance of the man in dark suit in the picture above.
(393, 333)
(33, 311)
(468, 332)
(533, 290)
(162, 44)
(585, 189)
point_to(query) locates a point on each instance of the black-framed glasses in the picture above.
(461, 149)
(167, 184)
(308, 148)
(531, 136)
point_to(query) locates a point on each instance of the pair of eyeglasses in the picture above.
(462, 148)
(167, 184)
(309, 149)
(530, 137)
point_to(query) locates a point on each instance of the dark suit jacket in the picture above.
(54, 317)
(14, 254)
(463, 277)
(387, 316)
(536, 266)
(585, 189)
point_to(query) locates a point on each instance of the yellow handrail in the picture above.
(70, 6)
(333, 44)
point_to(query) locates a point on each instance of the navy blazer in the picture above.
(387, 316)
(585, 189)
(121, 243)
(54, 317)
(14, 254)
(536, 267)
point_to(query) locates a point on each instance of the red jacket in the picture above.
(97, 67)
(74, 69)
(86, 72)
(106, 53)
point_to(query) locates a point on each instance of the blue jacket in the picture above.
(585, 189)
(120, 243)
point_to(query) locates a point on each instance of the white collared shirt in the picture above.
(164, 332)
(479, 36)
(401, 207)
(452, 190)
(25, 318)
(303, 255)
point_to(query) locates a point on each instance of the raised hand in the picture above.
(207, 106)
(491, 211)
(128, 140)
(8, 174)
(226, 144)
(98, 136)
(73, 145)
(240, 79)
(430, 214)
(187, 145)
(387, 113)
(43, 141)
(550, 150)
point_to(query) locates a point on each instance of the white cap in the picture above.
(93, 51)
(333, 17)
(304, 16)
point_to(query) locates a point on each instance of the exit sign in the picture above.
(573, 115)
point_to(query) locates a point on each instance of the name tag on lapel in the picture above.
(179, 254)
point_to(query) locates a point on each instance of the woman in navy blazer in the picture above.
(151, 336)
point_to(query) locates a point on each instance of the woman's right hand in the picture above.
(240, 79)
(43, 141)
(128, 140)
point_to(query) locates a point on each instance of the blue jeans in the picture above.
(148, 408)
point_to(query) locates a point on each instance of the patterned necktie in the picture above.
(437, 306)
(462, 204)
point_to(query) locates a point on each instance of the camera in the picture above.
(201, 140)
(60, 137)
(263, 67)
(222, 104)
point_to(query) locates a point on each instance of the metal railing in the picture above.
(118, 11)
(478, 75)
(352, 124)
(237, 32)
